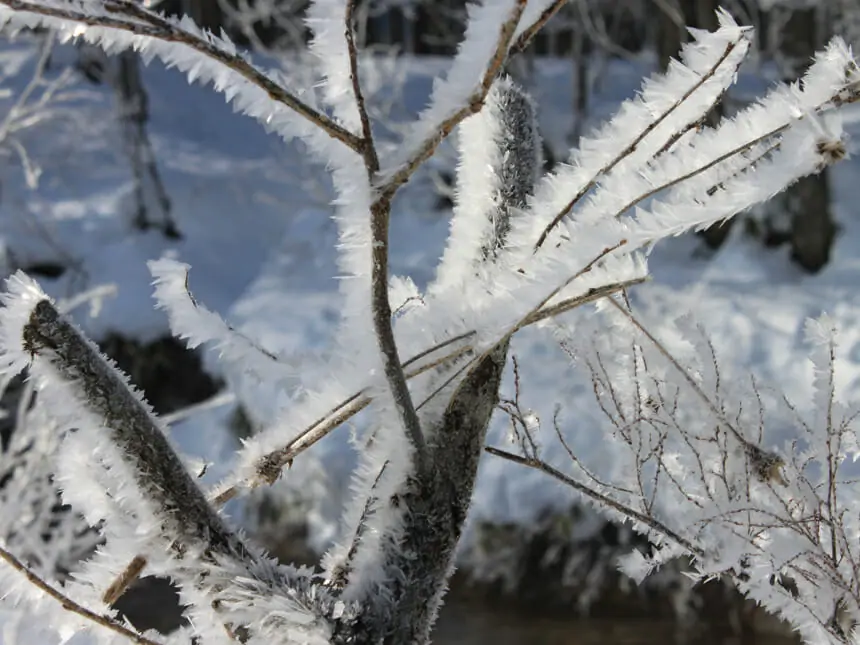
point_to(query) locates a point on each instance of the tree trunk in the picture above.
(806, 205)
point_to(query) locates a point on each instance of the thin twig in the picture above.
(631, 513)
(159, 28)
(70, 605)
(349, 34)
(529, 32)
(591, 295)
(473, 105)
(680, 368)
(340, 576)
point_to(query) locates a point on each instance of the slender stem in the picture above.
(529, 32)
(349, 34)
(381, 308)
(683, 371)
(147, 23)
(473, 105)
(649, 521)
(70, 605)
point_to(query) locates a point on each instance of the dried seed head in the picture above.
(767, 466)
(851, 91)
(831, 151)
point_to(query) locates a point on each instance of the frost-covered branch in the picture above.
(58, 352)
(707, 471)
(438, 120)
(603, 500)
(194, 323)
(95, 403)
(70, 605)
(710, 84)
(122, 24)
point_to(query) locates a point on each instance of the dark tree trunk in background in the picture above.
(804, 213)
(669, 33)
(206, 13)
(152, 205)
(701, 14)
(440, 25)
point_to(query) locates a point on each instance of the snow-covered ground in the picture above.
(260, 242)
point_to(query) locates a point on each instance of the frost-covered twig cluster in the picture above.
(725, 471)
(427, 367)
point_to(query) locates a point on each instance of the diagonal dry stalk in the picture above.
(609, 502)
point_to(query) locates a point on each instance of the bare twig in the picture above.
(349, 34)
(631, 513)
(529, 32)
(685, 373)
(70, 605)
(147, 23)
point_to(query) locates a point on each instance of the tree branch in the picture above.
(425, 150)
(531, 31)
(159, 472)
(626, 511)
(70, 605)
(155, 26)
(366, 132)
